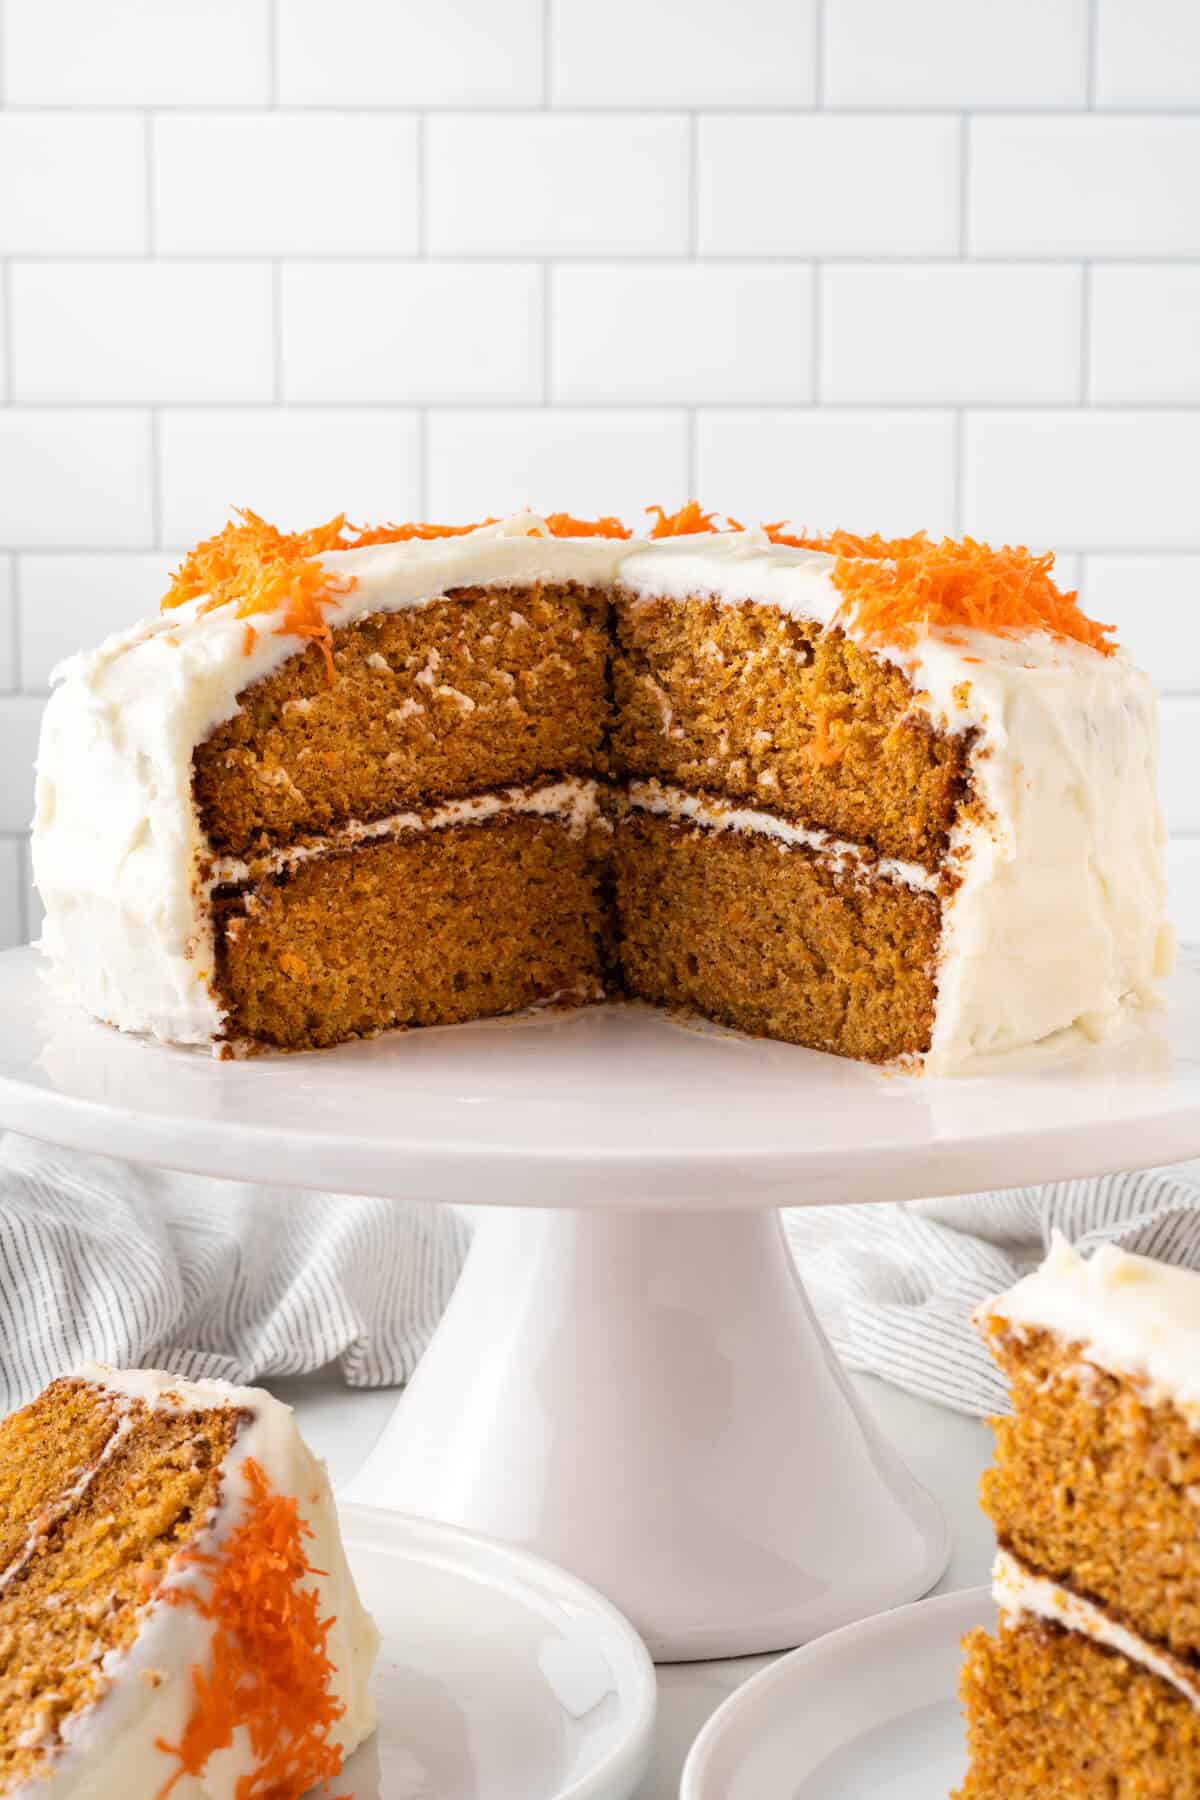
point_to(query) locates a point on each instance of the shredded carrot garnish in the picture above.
(895, 587)
(249, 639)
(690, 520)
(255, 568)
(404, 534)
(563, 525)
(892, 588)
(270, 1672)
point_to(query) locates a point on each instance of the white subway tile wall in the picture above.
(850, 261)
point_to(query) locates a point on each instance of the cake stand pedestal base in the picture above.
(647, 1399)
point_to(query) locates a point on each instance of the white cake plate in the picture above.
(871, 1709)
(629, 1379)
(499, 1677)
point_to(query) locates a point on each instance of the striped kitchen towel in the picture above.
(140, 1268)
(134, 1266)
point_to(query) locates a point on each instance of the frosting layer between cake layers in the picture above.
(113, 1750)
(1053, 887)
(1020, 1592)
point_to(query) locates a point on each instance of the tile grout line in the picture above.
(150, 152)
(960, 464)
(156, 484)
(895, 408)
(820, 29)
(423, 463)
(693, 195)
(148, 167)
(1085, 332)
(605, 109)
(816, 348)
(547, 289)
(547, 79)
(14, 625)
(479, 259)
(273, 51)
(8, 361)
(422, 180)
(277, 329)
(964, 186)
(1091, 54)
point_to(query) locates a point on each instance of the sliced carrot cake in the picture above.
(176, 1613)
(889, 798)
(1091, 1684)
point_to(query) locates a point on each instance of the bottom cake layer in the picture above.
(1053, 1716)
(429, 928)
(491, 905)
(774, 938)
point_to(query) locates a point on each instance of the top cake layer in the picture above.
(1049, 857)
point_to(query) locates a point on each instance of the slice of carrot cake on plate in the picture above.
(177, 1617)
(1090, 1686)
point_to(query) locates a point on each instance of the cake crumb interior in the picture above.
(489, 688)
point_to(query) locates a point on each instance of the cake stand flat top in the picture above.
(607, 1107)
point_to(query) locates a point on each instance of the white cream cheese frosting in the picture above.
(110, 1751)
(679, 804)
(1058, 919)
(1019, 1592)
(575, 801)
(1129, 1315)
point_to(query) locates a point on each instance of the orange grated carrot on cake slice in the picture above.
(270, 1672)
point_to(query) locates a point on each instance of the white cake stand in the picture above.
(629, 1379)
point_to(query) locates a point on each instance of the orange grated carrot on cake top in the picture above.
(270, 1672)
(562, 524)
(689, 521)
(893, 588)
(897, 586)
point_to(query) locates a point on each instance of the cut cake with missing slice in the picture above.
(895, 799)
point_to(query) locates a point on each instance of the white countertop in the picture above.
(945, 1451)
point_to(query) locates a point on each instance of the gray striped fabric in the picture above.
(141, 1268)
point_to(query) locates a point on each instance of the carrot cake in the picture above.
(176, 1613)
(895, 799)
(1091, 1683)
